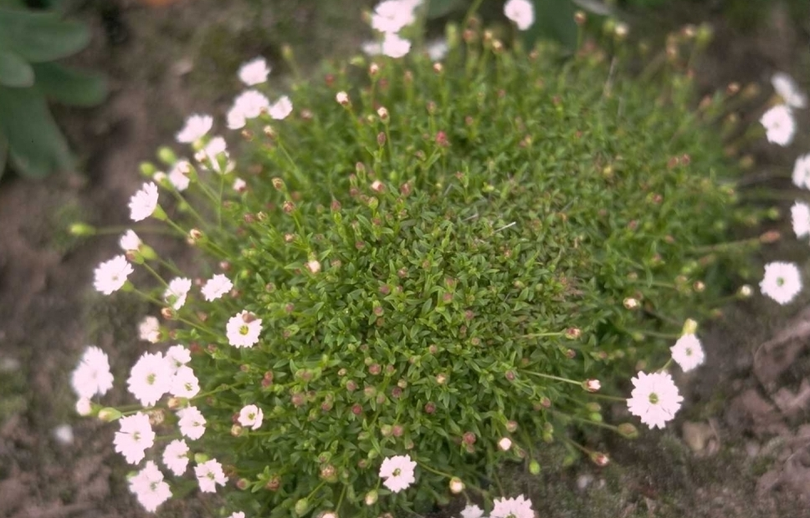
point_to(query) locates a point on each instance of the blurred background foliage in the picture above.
(32, 39)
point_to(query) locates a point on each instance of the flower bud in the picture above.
(511, 426)
(572, 333)
(313, 266)
(329, 473)
(630, 303)
(591, 385)
(381, 139)
(382, 113)
(456, 485)
(343, 99)
(109, 414)
(371, 497)
(600, 459)
(534, 467)
(430, 408)
(373, 70)
(81, 229)
(745, 291)
(505, 443)
(628, 431)
(580, 18)
(301, 507)
(689, 327)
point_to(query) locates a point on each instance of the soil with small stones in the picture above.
(739, 447)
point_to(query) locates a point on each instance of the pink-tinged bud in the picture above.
(288, 207)
(351, 386)
(397, 430)
(511, 426)
(278, 183)
(329, 473)
(298, 400)
(572, 333)
(343, 99)
(396, 392)
(441, 379)
(591, 385)
(441, 139)
(580, 18)
(381, 138)
(456, 485)
(510, 375)
(274, 483)
(600, 459)
(377, 186)
(370, 392)
(430, 408)
(385, 430)
(630, 303)
(243, 484)
(382, 113)
(374, 369)
(373, 69)
(438, 68)
(168, 313)
(357, 409)
(313, 266)
(505, 443)
(468, 438)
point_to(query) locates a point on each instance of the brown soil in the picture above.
(739, 447)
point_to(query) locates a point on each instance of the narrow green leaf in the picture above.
(14, 71)
(41, 36)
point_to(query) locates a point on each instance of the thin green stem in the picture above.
(552, 377)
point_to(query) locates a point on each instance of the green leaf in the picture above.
(70, 86)
(36, 146)
(14, 71)
(439, 8)
(40, 36)
(553, 19)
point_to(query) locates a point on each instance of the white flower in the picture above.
(149, 487)
(390, 16)
(801, 171)
(149, 329)
(176, 293)
(688, 352)
(472, 511)
(254, 72)
(397, 472)
(130, 241)
(342, 98)
(782, 281)
(209, 474)
(185, 383)
(236, 117)
(788, 90)
(179, 175)
(779, 125)
(505, 443)
(512, 508)
(251, 103)
(84, 407)
(217, 286)
(111, 275)
(395, 47)
(521, 12)
(192, 422)
(800, 215)
(655, 399)
(150, 378)
(243, 329)
(177, 356)
(239, 185)
(143, 203)
(134, 437)
(592, 385)
(175, 456)
(371, 48)
(251, 416)
(240, 514)
(437, 50)
(215, 147)
(196, 127)
(281, 108)
(92, 376)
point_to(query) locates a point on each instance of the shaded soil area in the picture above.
(738, 448)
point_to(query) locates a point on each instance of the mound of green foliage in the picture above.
(442, 259)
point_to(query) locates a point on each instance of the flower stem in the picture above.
(552, 377)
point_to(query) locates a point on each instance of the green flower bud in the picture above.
(301, 507)
(628, 431)
(534, 467)
(81, 229)
(147, 169)
(166, 155)
(109, 414)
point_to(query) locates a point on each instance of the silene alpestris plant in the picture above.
(420, 269)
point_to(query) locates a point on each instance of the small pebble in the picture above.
(9, 364)
(584, 480)
(63, 434)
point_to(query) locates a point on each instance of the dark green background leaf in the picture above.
(3, 154)
(40, 36)
(69, 85)
(439, 8)
(14, 70)
(36, 146)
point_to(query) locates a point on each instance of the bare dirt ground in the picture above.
(739, 447)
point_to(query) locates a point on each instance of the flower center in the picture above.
(397, 472)
(653, 398)
(780, 281)
(243, 330)
(150, 379)
(689, 352)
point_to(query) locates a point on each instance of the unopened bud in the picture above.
(534, 467)
(236, 430)
(572, 333)
(314, 266)
(381, 138)
(301, 507)
(600, 459)
(770, 237)
(81, 229)
(373, 70)
(591, 385)
(580, 18)
(745, 291)
(456, 485)
(630, 303)
(109, 414)
(343, 99)
(505, 443)
(689, 327)
(382, 112)
(628, 431)
(371, 497)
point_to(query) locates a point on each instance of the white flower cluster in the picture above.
(782, 281)
(518, 507)
(389, 18)
(521, 12)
